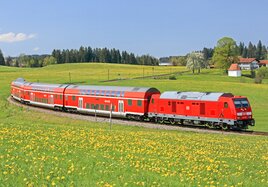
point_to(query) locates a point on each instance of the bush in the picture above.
(262, 72)
(258, 80)
(172, 77)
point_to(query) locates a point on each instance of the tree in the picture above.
(8, 61)
(178, 60)
(251, 51)
(49, 61)
(2, 59)
(241, 48)
(195, 60)
(245, 52)
(225, 53)
(259, 50)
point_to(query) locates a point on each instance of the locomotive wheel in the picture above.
(161, 120)
(225, 127)
(209, 125)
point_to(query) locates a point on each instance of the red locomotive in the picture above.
(221, 110)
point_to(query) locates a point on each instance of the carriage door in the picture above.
(80, 102)
(51, 100)
(121, 106)
(32, 96)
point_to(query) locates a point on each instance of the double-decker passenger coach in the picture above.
(129, 102)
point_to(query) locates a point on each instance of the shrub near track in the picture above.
(44, 154)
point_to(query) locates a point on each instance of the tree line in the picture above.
(83, 54)
(105, 55)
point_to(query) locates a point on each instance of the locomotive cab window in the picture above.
(241, 103)
(226, 105)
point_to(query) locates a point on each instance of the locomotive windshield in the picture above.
(241, 103)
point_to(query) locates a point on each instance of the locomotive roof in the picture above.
(113, 88)
(202, 96)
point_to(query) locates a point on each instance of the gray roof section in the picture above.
(202, 96)
(38, 86)
(19, 82)
(113, 88)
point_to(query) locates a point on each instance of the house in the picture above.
(264, 63)
(165, 61)
(248, 63)
(234, 71)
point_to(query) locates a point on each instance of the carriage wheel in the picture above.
(172, 121)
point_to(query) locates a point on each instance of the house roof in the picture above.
(234, 67)
(246, 60)
(263, 61)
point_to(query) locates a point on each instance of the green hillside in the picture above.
(40, 149)
(209, 80)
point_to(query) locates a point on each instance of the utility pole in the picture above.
(70, 80)
(111, 116)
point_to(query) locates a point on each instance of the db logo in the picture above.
(187, 108)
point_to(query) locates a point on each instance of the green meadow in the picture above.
(39, 149)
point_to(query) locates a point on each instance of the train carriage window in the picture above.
(113, 108)
(56, 96)
(152, 101)
(60, 96)
(98, 92)
(122, 94)
(87, 105)
(92, 106)
(102, 92)
(107, 107)
(107, 93)
(102, 107)
(139, 103)
(225, 105)
(97, 106)
(113, 93)
(129, 102)
(73, 98)
(118, 94)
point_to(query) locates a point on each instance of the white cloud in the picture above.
(12, 37)
(36, 48)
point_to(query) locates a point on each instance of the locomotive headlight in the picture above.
(239, 114)
(249, 113)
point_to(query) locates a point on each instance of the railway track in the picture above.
(188, 127)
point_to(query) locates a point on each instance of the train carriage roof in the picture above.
(202, 96)
(37, 85)
(113, 88)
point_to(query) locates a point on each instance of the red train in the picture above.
(221, 110)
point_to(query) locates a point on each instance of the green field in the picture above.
(40, 149)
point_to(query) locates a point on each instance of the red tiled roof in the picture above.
(234, 67)
(246, 60)
(263, 61)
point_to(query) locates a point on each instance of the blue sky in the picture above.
(155, 27)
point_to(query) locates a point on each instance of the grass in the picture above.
(41, 149)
